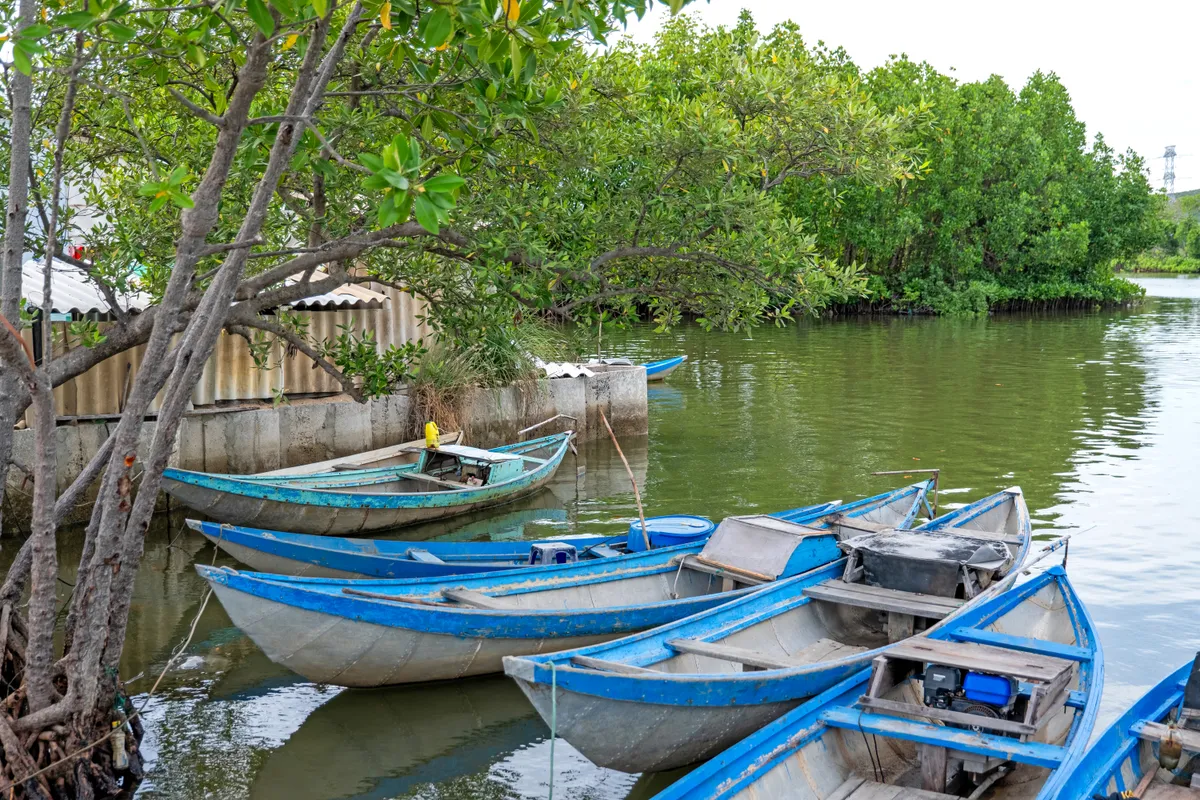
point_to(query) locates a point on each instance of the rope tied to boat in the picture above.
(553, 722)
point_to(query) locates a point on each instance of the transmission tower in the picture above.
(1169, 169)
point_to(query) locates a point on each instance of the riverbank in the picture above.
(247, 439)
(1148, 263)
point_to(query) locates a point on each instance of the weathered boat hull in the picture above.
(1117, 760)
(298, 554)
(697, 706)
(659, 370)
(815, 752)
(332, 511)
(346, 652)
(388, 631)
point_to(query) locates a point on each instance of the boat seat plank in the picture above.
(982, 657)
(820, 650)
(1034, 753)
(691, 562)
(737, 655)
(1158, 732)
(424, 556)
(603, 550)
(1043, 647)
(846, 789)
(469, 597)
(610, 666)
(881, 599)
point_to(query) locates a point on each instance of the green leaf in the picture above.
(182, 200)
(122, 33)
(401, 144)
(321, 7)
(159, 202)
(178, 176)
(258, 12)
(443, 183)
(371, 161)
(394, 178)
(518, 57)
(75, 20)
(376, 183)
(34, 32)
(22, 61)
(386, 215)
(437, 28)
(427, 214)
(404, 207)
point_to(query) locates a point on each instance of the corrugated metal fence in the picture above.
(231, 374)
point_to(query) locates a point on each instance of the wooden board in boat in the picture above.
(859, 789)
(881, 599)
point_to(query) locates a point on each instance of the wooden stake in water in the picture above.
(637, 496)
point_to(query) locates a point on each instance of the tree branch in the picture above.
(199, 111)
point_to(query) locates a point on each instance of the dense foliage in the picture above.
(1178, 246)
(1013, 205)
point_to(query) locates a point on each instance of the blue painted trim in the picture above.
(1023, 644)
(984, 744)
(332, 498)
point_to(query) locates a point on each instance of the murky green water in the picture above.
(1096, 416)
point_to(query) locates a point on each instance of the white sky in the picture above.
(1131, 69)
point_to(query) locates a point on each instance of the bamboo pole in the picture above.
(637, 495)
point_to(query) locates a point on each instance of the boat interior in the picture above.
(983, 714)
(444, 469)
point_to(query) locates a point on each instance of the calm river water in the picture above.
(1096, 416)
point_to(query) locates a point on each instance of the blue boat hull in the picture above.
(300, 554)
(812, 752)
(1118, 759)
(385, 631)
(338, 508)
(658, 370)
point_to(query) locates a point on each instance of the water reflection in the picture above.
(1094, 415)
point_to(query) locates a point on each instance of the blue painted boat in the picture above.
(378, 632)
(443, 482)
(1130, 752)
(658, 370)
(996, 706)
(284, 553)
(682, 692)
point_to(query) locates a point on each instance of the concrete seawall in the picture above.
(260, 439)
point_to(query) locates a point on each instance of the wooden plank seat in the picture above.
(610, 666)
(881, 599)
(469, 597)
(821, 650)
(1158, 732)
(602, 550)
(862, 789)
(1036, 754)
(983, 658)
(712, 568)
(424, 556)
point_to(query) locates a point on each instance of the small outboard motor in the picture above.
(552, 553)
(970, 692)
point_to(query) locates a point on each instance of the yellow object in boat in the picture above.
(431, 434)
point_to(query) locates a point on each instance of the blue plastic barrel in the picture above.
(669, 530)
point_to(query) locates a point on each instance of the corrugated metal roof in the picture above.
(71, 290)
(74, 292)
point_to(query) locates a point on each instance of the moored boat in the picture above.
(996, 706)
(658, 370)
(444, 481)
(1152, 750)
(377, 632)
(337, 557)
(681, 693)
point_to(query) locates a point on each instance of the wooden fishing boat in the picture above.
(377, 632)
(1151, 752)
(444, 481)
(336, 557)
(659, 370)
(993, 707)
(683, 692)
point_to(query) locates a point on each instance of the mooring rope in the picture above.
(553, 722)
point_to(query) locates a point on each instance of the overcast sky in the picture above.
(1131, 68)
